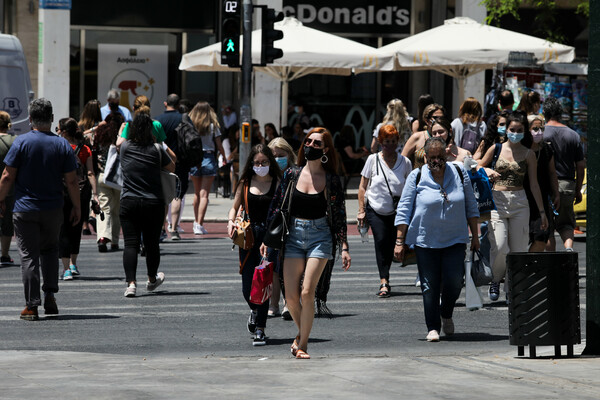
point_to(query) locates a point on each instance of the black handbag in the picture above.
(278, 229)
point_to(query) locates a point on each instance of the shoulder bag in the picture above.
(278, 229)
(113, 174)
(168, 180)
(243, 235)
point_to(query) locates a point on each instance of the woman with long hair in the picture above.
(90, 118)
(142, 203)
(495, 133)
(317, 229)
(109, 228)
(253, 195)
(469, 119)
(395, 115)
(530, 102)
(70, 236)
(509, 224)
(414, 147)
(286, 158)
(7, 229)
(206, 122)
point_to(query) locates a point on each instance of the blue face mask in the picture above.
(282, 162)
(502, 130)
(515, 137)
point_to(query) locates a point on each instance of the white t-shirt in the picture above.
(378, 193)
(208, 140)
(458, 127)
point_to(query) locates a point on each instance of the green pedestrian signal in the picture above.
(230, 46)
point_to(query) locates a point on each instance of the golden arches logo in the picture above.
(550, 54)
(421, 55)
(369, 61)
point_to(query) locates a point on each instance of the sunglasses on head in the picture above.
(315, 142)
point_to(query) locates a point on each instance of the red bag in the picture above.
(262, 283)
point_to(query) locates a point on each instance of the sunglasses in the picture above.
(261, 163)
(57, 129)
(314, 142)
(444, 195)
(538, 128)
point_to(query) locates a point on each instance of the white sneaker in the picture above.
(433, 336)
(130, 291)
(160, 278)
(448, 326)
(196, 228)
(203, 229)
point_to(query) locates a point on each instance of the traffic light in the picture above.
(269, 35)
(230, 32)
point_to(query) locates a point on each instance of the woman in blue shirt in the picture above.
(436, 204)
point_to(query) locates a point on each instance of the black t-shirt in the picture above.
(169, 121)
(543, 155)
(141, 170)
(567, 149)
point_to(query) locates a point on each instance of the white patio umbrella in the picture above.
(305, 51)
(463, 47)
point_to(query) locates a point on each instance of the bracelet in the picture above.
(399, 242)
(346, 250)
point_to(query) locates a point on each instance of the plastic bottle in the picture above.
(364, 233)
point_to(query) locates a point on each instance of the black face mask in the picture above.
(310, 153)
(113, 106)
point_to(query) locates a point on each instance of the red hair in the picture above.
(387, 132)
(332, 161)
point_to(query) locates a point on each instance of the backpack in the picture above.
(471, 138)
(80, 172)
(189, 143)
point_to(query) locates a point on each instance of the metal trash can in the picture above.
(543, 301)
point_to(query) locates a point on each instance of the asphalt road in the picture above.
(199, 311)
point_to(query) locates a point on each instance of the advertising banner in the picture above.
(134, 70)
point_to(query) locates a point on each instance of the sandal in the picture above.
(294, 348)
(302, 355)
(384, 293)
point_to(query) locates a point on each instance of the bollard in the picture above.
(543, 301)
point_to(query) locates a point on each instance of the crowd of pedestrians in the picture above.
(415, 194)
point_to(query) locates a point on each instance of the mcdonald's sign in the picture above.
(421, 55)
(549, 54)
(369, 61)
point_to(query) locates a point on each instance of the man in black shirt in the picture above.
(170, 119)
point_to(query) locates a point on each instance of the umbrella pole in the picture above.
(461, 89)
(285, 85)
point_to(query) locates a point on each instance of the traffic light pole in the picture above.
(245, 109)
(592, 281)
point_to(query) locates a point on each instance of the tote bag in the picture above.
(113, 174)
(168, 180)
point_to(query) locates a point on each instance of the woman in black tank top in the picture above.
(253, 195)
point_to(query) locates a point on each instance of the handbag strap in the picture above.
(383, 172)
(245, 206)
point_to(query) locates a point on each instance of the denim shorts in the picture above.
(309, 238)
(208, 168)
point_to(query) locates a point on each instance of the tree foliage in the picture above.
(546, 19)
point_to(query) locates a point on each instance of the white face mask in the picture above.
(537, 135)
(261, 171)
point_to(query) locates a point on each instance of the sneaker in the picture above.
(74, 269)
(252, 322)
(175, 236)
(102, 248)
(30, 314)
(494, 291)
(418, 281)
(203, 229)
(163, 235)
(196, 228)
(67, 275)
(285, 314)
(180, 229)
(433, 336)
(273, 312)
(259, 338)
(160, 278)
(6, 260)
(569, 249)
(448, 326)
(50, 307)
(130, 291)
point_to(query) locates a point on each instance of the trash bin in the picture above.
(543, 301)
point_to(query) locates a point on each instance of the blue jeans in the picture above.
(441, 271)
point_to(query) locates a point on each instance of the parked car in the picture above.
(581, 208)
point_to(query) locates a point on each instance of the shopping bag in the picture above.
(113, 174)
(262, 283)
(473, 300)
(483, 193)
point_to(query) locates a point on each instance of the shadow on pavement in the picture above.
(75, 317)
(98, 278)
(167, 293)
(333, 316)
(474, 337)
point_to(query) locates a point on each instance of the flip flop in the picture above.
(294, 348)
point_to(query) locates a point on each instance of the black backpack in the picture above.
(470, 138)
(189, 143)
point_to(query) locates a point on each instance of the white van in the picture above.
(15, 86)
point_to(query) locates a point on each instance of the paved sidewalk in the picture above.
(65, 375)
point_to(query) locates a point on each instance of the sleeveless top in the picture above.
(512, 173)
(313, 206)
(258, 204)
